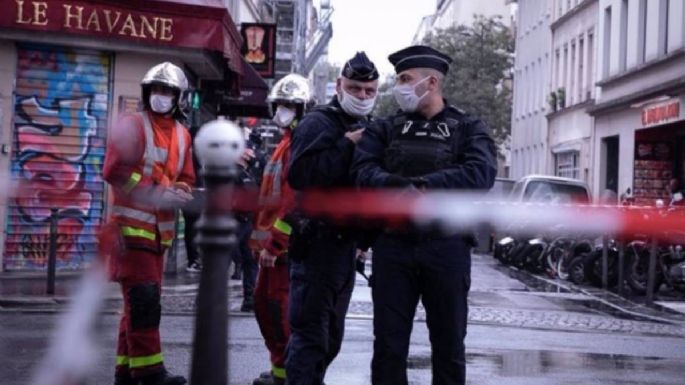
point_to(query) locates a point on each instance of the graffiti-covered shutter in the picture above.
(59, 128)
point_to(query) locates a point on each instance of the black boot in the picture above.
(268, 379)
(162, 378)
(124, 379)
(248, 304)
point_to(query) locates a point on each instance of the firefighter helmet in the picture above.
(292, 88)
(166, 74)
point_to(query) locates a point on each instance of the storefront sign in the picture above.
(661, 113)
(188, 24)
(94, 19)
(259, 47)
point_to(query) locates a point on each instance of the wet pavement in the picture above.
(522, 330)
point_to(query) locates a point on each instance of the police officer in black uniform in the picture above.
(429, 145)
(323, 255)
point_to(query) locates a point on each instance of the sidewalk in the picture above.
(27, 292)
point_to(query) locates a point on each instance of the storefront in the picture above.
(67, 70)
(642, 147)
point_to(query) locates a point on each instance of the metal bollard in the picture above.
(651, 277)
(621, 266)
(52, 252)
(605, 262)
(218, 145)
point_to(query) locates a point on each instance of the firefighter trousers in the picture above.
(139, 350)
(271, 311)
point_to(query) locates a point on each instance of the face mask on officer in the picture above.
(406, 97)
(284, 116)
(356, 107)
(161, 104)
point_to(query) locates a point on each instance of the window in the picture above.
(663, 27)
(572, 83)
(566, 164)
(564, 77)
(607, 42)
(623, 43)
(581, 67)
(557, 75)
(590, 62)
(642, 30)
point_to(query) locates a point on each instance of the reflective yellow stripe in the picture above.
(129, 231)
(167, 242)
(133, 181)
(122, 360)
(278, 372)
(137, 362)
(283, 227)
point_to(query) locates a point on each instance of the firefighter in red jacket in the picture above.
(289, 98)
(149, 166)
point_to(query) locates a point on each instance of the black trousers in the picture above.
(320, 291)
(437, 272)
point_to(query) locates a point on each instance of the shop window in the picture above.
(567, 164)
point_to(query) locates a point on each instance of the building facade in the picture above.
(68, 69)
(639, 120)
(529, 147)
(571, 88)
(450, 13)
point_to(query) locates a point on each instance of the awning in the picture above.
(252, 98)
(200, 24)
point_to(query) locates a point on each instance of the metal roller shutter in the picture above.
(59, 131)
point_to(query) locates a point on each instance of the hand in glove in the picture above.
(393, 180)
(267, 259)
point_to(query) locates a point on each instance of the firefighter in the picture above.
(149, 165)
(289, 98)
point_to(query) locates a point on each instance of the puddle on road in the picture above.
(541, 364)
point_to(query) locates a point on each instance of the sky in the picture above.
(379, 27)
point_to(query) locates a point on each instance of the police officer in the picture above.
(429, 145)
(323, 265)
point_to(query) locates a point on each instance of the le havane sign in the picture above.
(95, 19)
(661, 113)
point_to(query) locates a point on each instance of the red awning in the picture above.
(251, 100)
(201, 24)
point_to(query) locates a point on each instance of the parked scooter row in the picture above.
(579, 259)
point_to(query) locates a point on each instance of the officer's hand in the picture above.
(266, 259)
(246, 157)
(397, 181)
(354, 136)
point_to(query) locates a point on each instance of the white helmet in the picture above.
(166, 74)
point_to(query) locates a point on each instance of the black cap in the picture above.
(360, 68)
(420, 56)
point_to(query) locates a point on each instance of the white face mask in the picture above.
(356, 107)
(406, 97)
(161, 104)
(283, 117)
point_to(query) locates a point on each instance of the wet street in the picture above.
(522, 331)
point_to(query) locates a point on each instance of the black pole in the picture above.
(52, 252)
(621, 265)
(605, 262)
(216, 237)
(651, 273)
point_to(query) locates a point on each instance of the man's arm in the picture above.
(368, 165)
(321, 154)
(478, 166)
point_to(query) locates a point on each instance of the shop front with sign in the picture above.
(68, 69)
(640, 147)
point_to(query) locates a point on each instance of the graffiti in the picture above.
(60, 114)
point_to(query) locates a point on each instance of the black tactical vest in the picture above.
(419, 147)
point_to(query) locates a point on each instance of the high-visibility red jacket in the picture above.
(146, 154)
(271, 230)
